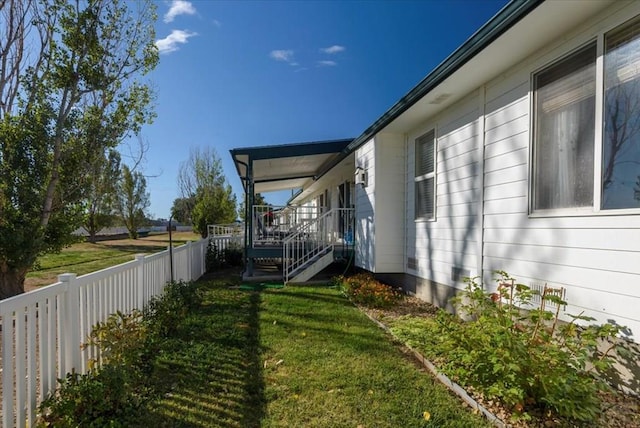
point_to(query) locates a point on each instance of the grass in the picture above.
(291, 357)
(85, 257)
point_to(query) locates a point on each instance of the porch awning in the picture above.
(286, 166)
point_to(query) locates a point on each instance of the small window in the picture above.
(621, 131)
(564, 132)
(425, 178)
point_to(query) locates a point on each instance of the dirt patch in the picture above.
(618, 410)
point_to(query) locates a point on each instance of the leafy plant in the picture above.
(163, 313)
(100, 398)
(119, 339)
(528, 359)
(364, 289)
(217, 258)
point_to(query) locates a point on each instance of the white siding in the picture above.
(450, 242)
(365, 237)
(595, 257)
(390, 162)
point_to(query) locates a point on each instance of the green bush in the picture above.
(100, 398)
(529, 360)
(119, 339)
(217, 258)
(364, 289)
(163, 313)
(110, 394)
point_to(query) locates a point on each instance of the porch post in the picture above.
(249, 215)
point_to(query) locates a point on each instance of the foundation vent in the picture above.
(539, 288)
(458, 274)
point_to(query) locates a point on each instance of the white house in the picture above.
(520, 152)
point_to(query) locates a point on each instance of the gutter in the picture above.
(506, 18)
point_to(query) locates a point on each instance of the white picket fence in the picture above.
(42, 330)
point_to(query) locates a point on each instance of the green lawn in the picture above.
(291, 357)
(85, 257)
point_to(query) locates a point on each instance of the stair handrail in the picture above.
(312, 238)
(301, 246)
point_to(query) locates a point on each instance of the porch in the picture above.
(293, 242)
(289, 243)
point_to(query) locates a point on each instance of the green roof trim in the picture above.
(506, 18)
(291, 150)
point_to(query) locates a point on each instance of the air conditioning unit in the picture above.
(361, 176)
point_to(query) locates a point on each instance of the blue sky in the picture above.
(249, 73)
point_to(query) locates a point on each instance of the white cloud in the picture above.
(179, 7)
(332, 49)
(217, 23)
(285, 55)
(173, 41)
(327, 63)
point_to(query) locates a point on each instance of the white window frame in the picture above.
(424, 177)
(595, 209)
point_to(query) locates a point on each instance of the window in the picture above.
(621, 133)
(565, 174)
(564, 131)
(425, 177)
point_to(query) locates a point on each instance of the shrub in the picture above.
(364, 289)
(100, 398)
(163, 313)
(119, 339)
(529, 360)
(110, 394)
(217, 258)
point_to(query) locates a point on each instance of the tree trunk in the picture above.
(11, 281)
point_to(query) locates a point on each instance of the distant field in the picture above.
(85, 257)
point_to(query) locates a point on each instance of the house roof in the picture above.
(285, 166)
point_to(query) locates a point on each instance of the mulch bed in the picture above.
(619, 410)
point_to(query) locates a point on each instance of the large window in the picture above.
(425, 177)
(564, 132)
(566, 120)
(621, 134)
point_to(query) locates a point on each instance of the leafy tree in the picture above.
(69, 71)
(202, 179)
(102, 185)
(132, 200)
(258, 199)
(181, 209)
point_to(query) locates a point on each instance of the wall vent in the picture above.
(539, 287)
(458, 274)
(412, 263)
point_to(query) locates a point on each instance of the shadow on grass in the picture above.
(133, 249)
(210, 374)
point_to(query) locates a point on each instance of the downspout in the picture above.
(482, 100)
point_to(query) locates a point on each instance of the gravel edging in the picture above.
(453, 387)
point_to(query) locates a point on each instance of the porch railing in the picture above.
(315, 238)
(226, 236)
(272, 224)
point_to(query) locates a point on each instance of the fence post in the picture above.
(189, 258)
(170, 250)
(71, 322)
(142, 287)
